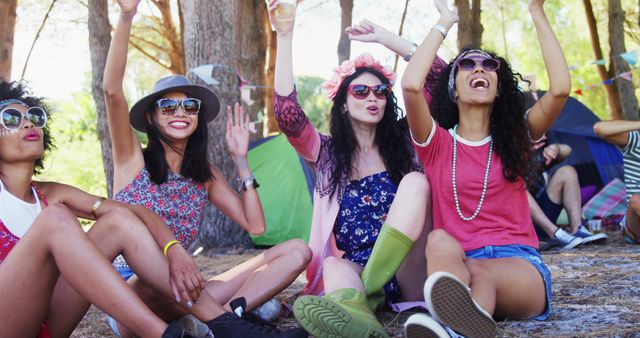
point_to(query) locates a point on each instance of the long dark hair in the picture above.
(19, 91)
(507, 124)
(195, 162)
(391, 135)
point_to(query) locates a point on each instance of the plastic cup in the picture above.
(284, 15)
(595, 225)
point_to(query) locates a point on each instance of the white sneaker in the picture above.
(420, 325)
(449, 301)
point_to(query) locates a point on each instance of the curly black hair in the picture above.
(392, 136)
(508, 127)
(19, 91)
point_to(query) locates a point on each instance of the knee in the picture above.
(415, 184)
(567, 173)
(298, 253)
(119, 219)
(56, 216)
(634, 204)
(439, 241)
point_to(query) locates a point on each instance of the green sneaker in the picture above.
(342, 313)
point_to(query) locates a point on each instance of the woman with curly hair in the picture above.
(369, 223)
(475, 147)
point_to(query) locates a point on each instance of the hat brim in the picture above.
(209, 108)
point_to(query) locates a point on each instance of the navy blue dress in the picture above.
(363, 210)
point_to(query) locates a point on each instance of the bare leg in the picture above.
(263, 276)
(539, 218)
(339, 274)
(509, 287)
(564, 189)
(633, 216)
(412, 208)
(56, 245)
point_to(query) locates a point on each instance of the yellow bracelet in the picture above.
(95, 206)
(169, 244)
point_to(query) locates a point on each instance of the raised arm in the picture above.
(369, 31)
(127, 154)
(546, 110)
(418, 114)
(616, 131)
(284, 53)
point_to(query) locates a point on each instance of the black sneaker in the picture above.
(235, 325)
(174, 330)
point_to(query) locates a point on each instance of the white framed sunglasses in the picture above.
(12, 119)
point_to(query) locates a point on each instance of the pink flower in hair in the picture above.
(348, 67)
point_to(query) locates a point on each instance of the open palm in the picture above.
(237, 135)
(128, 6)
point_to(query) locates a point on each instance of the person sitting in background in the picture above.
(626, 135)
(550, 194)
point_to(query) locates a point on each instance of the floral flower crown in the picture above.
(348, 67)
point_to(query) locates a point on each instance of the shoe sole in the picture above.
(449, 301)
(422, 326)
(323, 318)
(595, 239)
(574, 243)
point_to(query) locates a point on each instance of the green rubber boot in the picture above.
(389, 251)
(342, 313)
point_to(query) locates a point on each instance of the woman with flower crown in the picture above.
(475, 144)
(362, 243)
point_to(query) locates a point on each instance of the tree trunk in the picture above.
(269, 43)
(344, 44)
(210, 37)
(624, 89)
(99, 41)
(7, 28)
(612, 99)
(469, 25)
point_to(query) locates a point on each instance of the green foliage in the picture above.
(314, 103)
(77, 159)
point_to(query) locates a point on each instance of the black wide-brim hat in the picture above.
(209, 107)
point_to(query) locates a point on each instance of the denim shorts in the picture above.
(522, 251)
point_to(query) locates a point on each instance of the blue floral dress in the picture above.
(363, 210)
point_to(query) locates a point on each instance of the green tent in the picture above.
(286, 183)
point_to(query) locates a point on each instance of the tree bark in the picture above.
(469, 25)
(99, 41)
(211, 37)
(7, 29)
(269, 43)
(612, 99)
(344, 44)
(624, 89)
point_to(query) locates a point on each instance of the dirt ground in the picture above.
(596, 293)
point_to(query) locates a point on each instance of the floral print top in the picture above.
(363, 210)
(179, 202)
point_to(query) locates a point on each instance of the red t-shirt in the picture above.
(504, 217)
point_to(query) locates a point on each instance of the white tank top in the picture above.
(16, 214)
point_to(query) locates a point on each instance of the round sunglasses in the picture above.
(470, 63)
(191, 106)
(12, 118)
(361, 92)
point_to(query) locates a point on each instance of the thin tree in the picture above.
(400, 31)
(35, 39)
(469, 26)
(624, 89)
(344, 44)
(7, 29)
(99, 41)
(612, 99)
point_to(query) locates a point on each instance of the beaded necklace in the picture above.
(484, 184)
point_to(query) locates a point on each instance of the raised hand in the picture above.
(282, 14)
(447, 13)
(128, 6)
(237, 135)
(366, 31)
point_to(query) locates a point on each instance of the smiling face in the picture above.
(370, 109)
(476, 83)
(178, 126)
(24, 144)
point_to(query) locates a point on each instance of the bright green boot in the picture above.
(389, 251)
(342, 313)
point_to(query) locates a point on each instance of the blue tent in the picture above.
(596, 161)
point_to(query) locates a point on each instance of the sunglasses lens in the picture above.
(37, 116)
(381, 91)
(360, 91)
(490, 64)
(467, 63)
(167, 106)
(11, 118)
(191, 106)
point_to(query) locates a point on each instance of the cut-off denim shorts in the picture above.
(522, 251)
